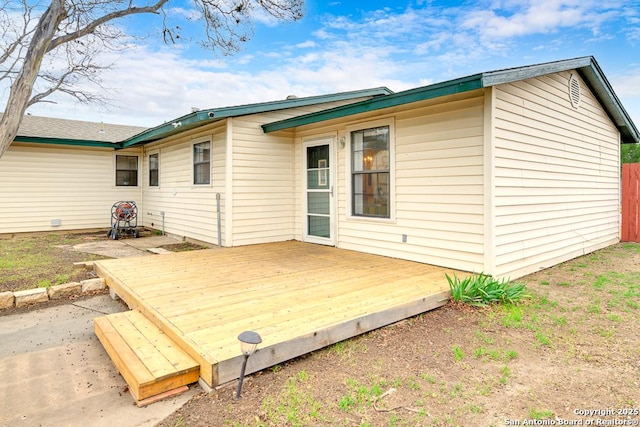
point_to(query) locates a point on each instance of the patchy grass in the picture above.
(539, 359)
(43, 260)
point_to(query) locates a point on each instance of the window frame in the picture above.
(386, 122)
(157, 169)
(194, 164)
(116, 170)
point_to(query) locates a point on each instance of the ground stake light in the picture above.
(249, 341)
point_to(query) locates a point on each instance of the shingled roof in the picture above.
(40, 129)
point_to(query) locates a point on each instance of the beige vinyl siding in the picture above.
(556, 175)
(438, 184)
(189, 210)
(259, 168)
(262, 183)
(40, 183)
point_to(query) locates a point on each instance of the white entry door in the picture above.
(319, 196)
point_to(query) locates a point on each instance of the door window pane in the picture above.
(318, 157)
(319, 226)
(318, 203)
(318, 167)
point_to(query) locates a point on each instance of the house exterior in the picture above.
(67, 174)
(504, 172)
(60, 175)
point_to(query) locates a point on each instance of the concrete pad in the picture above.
(159, 251)
(146, 243)
(124, 248)
(56, 373)
(110, 248)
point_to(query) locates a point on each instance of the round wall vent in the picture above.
(574, 91)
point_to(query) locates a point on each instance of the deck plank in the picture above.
(147, 353)
(296, 295)
(168, 349)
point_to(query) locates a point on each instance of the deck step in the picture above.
(149, 361)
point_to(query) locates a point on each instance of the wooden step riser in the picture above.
(147, 360)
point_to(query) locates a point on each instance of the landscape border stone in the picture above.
(30, 296)
(19, 299)
(6, 299)
(64, 291)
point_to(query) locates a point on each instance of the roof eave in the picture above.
(603, 90)
(586, 66)
(186, 122)
(203, 117)
(593, 75)
(510, 75)
(65, 141)
(461, 85)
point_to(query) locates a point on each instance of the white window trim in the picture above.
(149, 154)
(194, 143)
(390, 122)
(115, 170)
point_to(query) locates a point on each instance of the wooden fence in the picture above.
(631, 202)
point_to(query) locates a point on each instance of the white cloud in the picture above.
(385, 47)
(306, 44)
(189, 14)
(515, 19)
(627, 86)
(149, 88)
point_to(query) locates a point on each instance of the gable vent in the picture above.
(574, 91)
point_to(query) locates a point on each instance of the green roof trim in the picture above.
(586, 66)
(437, 90)
(178, 125)
(202, 117)
(65, 141)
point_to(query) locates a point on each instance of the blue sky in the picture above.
(347, 45)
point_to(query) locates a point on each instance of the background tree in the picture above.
(630, 153)
(50, 50)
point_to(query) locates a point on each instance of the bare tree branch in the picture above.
(21, 37)
(72, 34)
(91, 27)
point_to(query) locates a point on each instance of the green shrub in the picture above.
(481, 289)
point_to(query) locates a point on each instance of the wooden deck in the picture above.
(299, 297)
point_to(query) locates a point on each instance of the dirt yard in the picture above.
(47, 259)
(43, 260)
(570, 355)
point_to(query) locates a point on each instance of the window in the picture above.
(202, 163)
(154, 168)
(126, 171)
(370, 173)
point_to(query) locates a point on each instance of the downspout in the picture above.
(489, 181)
(228, 184)
(141, 181)
(219, 220)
